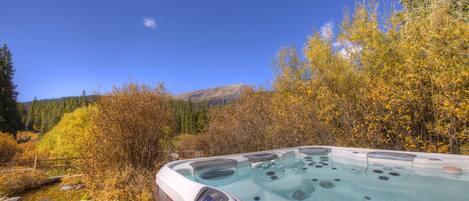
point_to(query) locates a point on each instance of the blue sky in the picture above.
(63, 47)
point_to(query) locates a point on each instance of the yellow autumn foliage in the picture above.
(402, 85)
(8, 147)
(68, 137)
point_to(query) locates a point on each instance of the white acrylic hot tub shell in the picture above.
(176, 186)
(180, 188)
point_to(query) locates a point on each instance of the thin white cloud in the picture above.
(149, 23)
(347, 48)
(327, 30)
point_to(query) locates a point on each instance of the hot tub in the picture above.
(319, 173)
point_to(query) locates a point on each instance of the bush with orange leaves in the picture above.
(8, 147)
(243, 126)
(132, 128)
(28, 146)
(189, 142)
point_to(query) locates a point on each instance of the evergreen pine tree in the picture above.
(8, 106)
(28, 124)
(83, 98)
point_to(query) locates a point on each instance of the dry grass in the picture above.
(53, 192)
(125, 183)
(17, 181)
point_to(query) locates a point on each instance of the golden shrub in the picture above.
(241, 126)
(263, 120)
(8, 147)
(125, 183)
(131, 129)
(184, 142)
(68, 138)
(27, 149)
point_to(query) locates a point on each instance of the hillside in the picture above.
(217, 95)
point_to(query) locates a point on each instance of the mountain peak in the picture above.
(221, 94)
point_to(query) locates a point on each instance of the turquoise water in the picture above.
(320, 178)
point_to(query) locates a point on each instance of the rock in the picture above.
(13, 199)
(174, 156)
(79, 186)
(66, 187)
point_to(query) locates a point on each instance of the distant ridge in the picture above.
(91, 98)
(217, 95)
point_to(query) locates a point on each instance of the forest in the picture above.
(402, 84)
(42, 115)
